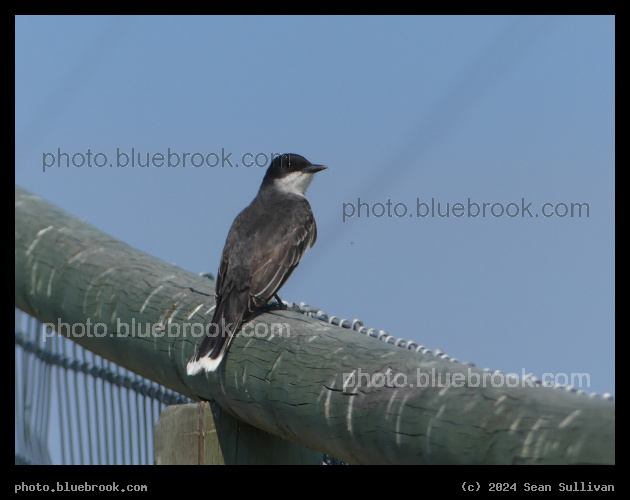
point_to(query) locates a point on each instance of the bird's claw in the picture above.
(280, 305)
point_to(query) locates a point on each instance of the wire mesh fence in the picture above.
(74, 407)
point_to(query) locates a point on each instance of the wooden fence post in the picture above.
(204, 434)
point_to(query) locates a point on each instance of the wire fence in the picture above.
(74, 407)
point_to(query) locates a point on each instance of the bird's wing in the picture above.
(280, 253)
(223, 268)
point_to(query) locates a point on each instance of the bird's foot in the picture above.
(273, 306)
(279, 304)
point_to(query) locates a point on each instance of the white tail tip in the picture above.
(204, 364)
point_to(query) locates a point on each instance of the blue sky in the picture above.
(504, 110)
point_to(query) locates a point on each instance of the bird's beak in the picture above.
(311, 169)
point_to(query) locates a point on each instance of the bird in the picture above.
(265, 244)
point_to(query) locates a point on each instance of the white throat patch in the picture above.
(295, 183)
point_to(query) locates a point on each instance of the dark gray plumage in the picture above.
(265, 244)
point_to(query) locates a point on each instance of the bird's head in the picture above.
(291, 173)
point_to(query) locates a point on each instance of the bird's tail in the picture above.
(225, 324)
